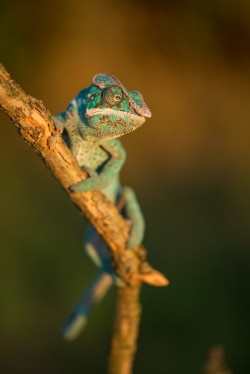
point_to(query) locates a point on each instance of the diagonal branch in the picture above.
(33, 122)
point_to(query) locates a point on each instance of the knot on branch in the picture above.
(133, 268)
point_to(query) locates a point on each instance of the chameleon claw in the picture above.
(73, 188)
(58, 124)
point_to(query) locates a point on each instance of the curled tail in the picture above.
(78, 318)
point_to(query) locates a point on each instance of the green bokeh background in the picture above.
(189, 165)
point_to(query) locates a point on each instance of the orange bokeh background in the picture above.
(189, 165)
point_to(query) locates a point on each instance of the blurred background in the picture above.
(189, 165)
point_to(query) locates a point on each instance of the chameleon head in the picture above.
(111, 110)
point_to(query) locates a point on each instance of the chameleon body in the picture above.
(91, 124)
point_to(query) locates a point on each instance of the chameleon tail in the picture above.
(78, 318)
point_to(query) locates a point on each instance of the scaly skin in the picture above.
(93, 121)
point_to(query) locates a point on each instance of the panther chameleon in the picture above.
(90, 126)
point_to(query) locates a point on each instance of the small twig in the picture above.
(33, 122)
(216, 363)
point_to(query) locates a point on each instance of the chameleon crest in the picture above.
(107, 110)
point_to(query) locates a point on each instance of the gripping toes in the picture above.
(86, 185)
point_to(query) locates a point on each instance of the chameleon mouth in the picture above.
(135, 120)
(103, 136)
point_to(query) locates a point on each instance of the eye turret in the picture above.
(112, 95)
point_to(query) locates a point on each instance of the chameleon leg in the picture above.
(134, 214)
(97, 250)
(99, 253)
(113, 162)
(78, 318)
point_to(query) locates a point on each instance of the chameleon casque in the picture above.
(91, 124)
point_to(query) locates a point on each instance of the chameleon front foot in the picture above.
(83, 186)
(91, 183)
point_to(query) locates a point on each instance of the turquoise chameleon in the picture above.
(91, 124)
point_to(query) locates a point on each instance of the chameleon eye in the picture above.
(117, 98)
(112, 95)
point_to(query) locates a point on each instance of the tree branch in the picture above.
(33, 122)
